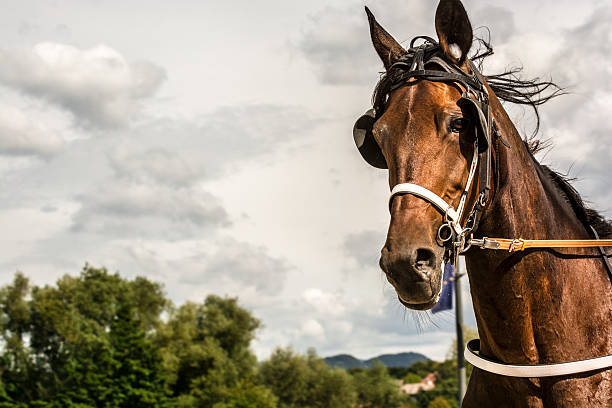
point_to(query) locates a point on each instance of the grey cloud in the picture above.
(337, 43)
(251, 130)
(225, 266)
(499, 19)
(336, 40)
(250, 265)
(98, 86)
(152, 190)
(26, 28)
(48, 208)
(364, 247)
(153, 165)
(580, 122)
(213, 144)
(153, 187)
(126, 209)
(583, 61)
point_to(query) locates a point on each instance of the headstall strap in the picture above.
(455, 237)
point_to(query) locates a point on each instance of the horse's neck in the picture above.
(539, 306)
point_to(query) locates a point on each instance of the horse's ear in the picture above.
(387, 48)
(454, 30)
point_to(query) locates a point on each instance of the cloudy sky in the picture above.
(207, 145)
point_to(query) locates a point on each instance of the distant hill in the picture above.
(347, 361)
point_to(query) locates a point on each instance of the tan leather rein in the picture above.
(520, 244)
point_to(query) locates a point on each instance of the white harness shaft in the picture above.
(532, 371)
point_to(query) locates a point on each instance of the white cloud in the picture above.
(324, 303)
(364, 247)
(97, 85)
(22, 135)
(312, 328)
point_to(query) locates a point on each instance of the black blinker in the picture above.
(473, 108)
(364, 139)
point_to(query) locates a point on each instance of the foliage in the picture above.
(99, 340)
(412, 378)
(306, 381)
(376, 388)
(422, 368)
(68, 345)
(207, 356)
(439, 402)
(137, 365)
(398, 372)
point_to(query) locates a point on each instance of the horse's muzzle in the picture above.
(415, 274)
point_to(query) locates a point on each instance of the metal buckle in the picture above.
(446, 233)
(485, 243)
(466, 237)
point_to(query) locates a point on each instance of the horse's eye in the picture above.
(458, 124)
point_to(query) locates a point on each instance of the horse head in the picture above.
(424, 131)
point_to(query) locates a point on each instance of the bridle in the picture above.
(456, 237)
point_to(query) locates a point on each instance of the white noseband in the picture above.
(445, 208)
(451, 215)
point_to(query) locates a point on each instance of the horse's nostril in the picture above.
(424, 258)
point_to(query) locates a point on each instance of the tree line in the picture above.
(101, 340)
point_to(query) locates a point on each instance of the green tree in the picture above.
(306, 381)
(412, 378)
(16, 362)
(68, 359)
(376, 388)
(137, 367)
(446, 385)
(98, 340)
(439, 402)
(286, 374)
(207, 358)
(329, 388)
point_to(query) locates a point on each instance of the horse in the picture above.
(438, 122)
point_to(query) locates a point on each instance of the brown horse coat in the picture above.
(532, 307)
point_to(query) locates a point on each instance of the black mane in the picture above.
(587, 216)
(508, 86)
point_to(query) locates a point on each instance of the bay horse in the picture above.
(429, 124)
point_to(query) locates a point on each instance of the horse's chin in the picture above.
(419, 306)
